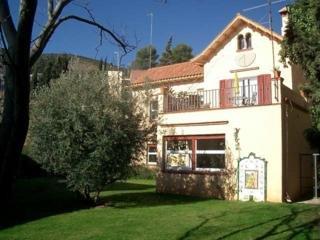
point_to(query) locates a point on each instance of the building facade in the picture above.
(228, 125)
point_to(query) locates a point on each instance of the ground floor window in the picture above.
(198, 153)
(152, 154)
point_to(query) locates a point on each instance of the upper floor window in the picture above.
(244, 42)
(248, 41)
(241, 42)
(153, 109)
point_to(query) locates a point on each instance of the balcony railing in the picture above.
(249, 95)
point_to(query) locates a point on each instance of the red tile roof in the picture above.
(179, 71)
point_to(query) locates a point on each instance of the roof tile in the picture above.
(186, 70)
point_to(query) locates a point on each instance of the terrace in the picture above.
(244, 95)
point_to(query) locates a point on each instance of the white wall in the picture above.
(220, 65)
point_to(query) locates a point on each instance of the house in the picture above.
(228, 126)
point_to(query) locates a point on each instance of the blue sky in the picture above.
(194, 22)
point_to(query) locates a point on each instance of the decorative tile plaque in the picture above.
(252, 173)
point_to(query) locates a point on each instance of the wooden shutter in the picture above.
(264, 89)
(226, 93)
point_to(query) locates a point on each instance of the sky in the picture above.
(193, 22)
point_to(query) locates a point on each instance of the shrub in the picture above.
(143, 172)
(87, 130)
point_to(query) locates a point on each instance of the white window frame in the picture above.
(152, 154)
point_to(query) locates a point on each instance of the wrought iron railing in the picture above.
(211, 99)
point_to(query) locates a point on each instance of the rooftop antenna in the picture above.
(269, 3)
(151, 29)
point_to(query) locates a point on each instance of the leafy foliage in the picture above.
(48, 67)
(86, 130)
(142, 60)
(167, 57)
(301, 46)
(182, 53)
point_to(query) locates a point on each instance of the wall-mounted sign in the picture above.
(252, 174)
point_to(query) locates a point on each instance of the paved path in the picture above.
(312, 201)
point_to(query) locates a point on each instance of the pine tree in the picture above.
(167, 57)
(142, 60)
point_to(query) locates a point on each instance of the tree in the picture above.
(48, 67)
(181, 53)
(89, 138)
(142, 60)
(167, 56)
(21, 52)
(301, 46)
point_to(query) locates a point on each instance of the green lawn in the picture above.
(134, 211)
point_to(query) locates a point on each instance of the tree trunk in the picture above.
(14, 127)
(15, 119)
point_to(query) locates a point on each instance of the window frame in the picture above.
(152, 110)
(241, 41)
(244, 42)
(194, 139)
(153, 153)
(248, 39)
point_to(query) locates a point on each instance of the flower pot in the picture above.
(277, 74)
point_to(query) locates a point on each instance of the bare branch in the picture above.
(46, 33)
(50, 9)
(118, 39)
(44, 38)
(7, 23)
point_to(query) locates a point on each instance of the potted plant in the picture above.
(276, 72)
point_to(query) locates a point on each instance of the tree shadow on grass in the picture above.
(42, 197)
(36, 198)
(146, 199)
(286, 226)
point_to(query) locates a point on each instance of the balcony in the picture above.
(242, 96)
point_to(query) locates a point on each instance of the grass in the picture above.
(132, 210)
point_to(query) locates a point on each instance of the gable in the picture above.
(232, 29)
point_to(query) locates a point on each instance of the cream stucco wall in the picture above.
(260, 133)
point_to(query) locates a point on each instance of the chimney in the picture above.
(284, 15)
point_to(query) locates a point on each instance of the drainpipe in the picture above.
(315, 158)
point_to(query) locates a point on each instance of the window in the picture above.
(179, 154)
(244, 42)
(248, 41)
(210, 153)
(198, 153)
(241, 42)
(249, 90)
(153, 109)
(152, 154)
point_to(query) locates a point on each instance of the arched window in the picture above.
(248, 41)
(241, 42)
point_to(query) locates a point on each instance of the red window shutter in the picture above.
(222, 93)
(267, 89)
(264, 89)
(226, 93)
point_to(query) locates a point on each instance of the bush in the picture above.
(143, 172)
(87, 130)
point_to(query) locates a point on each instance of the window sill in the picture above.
(152, 163)
(244, 50)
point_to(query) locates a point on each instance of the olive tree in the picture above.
(88, 129)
